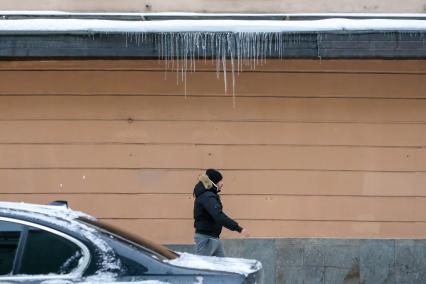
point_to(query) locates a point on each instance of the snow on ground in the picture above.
(236, 265)
(236, 26)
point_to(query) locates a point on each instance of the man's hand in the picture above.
(245, 233)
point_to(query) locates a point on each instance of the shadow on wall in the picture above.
(332, 260)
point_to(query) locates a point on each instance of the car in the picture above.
(52, 244)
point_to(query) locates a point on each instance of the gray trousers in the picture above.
(209, 246)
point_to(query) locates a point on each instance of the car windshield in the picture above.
(131, 238)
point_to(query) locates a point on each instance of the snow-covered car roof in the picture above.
(54, 211)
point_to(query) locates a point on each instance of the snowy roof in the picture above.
(51, 34)
(235, 26)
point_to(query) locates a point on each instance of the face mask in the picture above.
(215, 185)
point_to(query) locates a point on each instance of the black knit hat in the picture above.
(214, 175)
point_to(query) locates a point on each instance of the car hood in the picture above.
(235, 265)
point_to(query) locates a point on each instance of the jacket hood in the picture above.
(208, 184)
(204, 184)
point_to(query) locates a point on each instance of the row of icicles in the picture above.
(240, 50)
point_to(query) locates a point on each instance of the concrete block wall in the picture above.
(332, 260)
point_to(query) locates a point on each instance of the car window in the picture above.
(9, 240)
(48, 253)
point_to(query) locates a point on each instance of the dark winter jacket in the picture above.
(208, 215)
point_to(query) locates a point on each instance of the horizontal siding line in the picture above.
(202, 169)
(173, 71)
(216, 95)
(131, 120)
(342, 171)
(209, 144)
(222, 194)
(275, 220)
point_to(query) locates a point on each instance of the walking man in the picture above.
(209, 217)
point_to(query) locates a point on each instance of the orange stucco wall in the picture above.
(310, 148)
(239, 6)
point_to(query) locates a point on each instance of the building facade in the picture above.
(309, 148)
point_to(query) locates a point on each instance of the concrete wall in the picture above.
(333, 260)
(239, 6)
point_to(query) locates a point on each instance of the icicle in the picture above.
(319, 46)
(237, 50)
(231, 54)
(218, 55)
(181, 51)
(224, 71)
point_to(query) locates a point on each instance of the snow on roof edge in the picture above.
(233, 26)
(195, 14)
